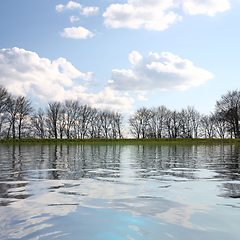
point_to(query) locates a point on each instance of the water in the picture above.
(119, 192)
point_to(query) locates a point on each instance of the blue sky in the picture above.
(121, 54)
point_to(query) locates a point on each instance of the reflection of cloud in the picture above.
(33, 214)
(166, 210)
(181, 215)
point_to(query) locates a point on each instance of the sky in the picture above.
(121, 54)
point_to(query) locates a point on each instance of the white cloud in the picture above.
(108, 98)
(89, 11)
(208, 7)
(158, 72)
(24, 72)
(158, 14)
(70, 6)
(141, 97)
(60, 7)
(137, 14)
(77, 33)
(74, 18)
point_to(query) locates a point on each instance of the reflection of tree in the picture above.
(73, 161)
(231, 190)
(184, 161)
(13, 185)
(157, 160)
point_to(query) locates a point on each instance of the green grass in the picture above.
(124, 141)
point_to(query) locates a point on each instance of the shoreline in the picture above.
(126, 141)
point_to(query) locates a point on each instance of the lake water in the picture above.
(120, 192)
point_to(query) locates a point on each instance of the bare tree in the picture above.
(72, 109)
(53, 112)
(140, 122)
(84, 120)
(229, 108)
(161, 117)
(3, 103)
(207, 124)
(117, 125)
(38, 123)
(95, 130)
(189, 122)
(24, 111)
(173, 124)
(12, 108)
(222, 128)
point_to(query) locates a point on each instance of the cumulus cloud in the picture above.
(209, 7)
(74, 18)
(141, 97)
(89, 11)
(158, 14)
(70, 6)
(135, 14)
(77, 33)
(24, 72)
(108, 98)
(158, 72)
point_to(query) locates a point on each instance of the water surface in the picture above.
(119, 192)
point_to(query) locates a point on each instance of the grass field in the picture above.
(124, 141)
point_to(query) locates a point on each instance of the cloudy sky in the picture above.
(121, 54)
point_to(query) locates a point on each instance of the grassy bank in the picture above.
(125, 141)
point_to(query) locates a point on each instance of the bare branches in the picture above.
(70, 119)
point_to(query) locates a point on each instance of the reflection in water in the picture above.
(119, 191)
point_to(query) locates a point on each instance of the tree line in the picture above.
(160, 122)
(71, 120)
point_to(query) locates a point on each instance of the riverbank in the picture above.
(126, 141)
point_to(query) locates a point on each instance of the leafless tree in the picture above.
(72, 109)
(173, 124)
(53, 112)
(222, 128)
(158, 121)
(229, 108)
(189, 122)
(117, 125)
(207, 124)
(140, 123)
(24, 111)
(84, 120)
(12, 108)
(38, 123)
(3, 102)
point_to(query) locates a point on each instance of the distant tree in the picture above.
(12, 108)
(3, 103)
(189, 122)
(228, 108)
(72, 109)
(3, 98)
(24, 111)
(173, 124)
(117, 125)
(53, 112)
(222, 127)
(140, 123)
(38, 123)
(207, 124)
(159, 119)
